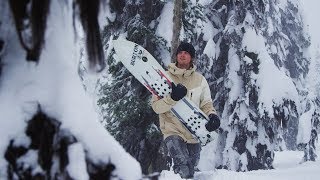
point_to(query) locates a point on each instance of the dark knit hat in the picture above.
(184, 46)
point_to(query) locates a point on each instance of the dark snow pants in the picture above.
(185, 155)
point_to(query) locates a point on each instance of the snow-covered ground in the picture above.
(287, 167)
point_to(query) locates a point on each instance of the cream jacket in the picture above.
(198, 92)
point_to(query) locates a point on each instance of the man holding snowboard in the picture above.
(183, 148)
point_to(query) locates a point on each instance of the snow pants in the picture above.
(185, 155)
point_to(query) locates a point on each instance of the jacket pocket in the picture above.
(162, 122)
(195, 94)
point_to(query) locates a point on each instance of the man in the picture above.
(183, 148)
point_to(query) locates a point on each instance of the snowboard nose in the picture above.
(123, 48)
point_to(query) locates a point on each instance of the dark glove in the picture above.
(213, 123)
(178, 91)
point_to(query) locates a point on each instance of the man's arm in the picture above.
(206, 104)
(162, 105)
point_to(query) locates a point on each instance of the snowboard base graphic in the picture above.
(145, 68)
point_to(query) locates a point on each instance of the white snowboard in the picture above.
(143, 66)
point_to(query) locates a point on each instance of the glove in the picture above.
(213, 123)
(178, 91)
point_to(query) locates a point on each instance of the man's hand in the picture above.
(213, 123)
(178, 91)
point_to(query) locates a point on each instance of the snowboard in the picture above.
(145, 68)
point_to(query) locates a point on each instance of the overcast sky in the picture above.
(312, 14)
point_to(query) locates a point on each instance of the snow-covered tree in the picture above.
(257, 72)
(308, 126)
(123, 101)
(49, 128)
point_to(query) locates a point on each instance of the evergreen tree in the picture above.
(240, 73)
(308, 127)
(124, 102)
(48, 136)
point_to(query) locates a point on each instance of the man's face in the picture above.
(184, 58)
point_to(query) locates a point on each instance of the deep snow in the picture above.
(287, 167)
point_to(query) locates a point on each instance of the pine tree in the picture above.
(308, 135)
(124, 102)
(292, 57)
(250, 123)
(38, 143)
(309, 120)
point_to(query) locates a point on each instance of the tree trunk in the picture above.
(177, 13)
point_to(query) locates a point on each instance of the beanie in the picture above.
(184, 46)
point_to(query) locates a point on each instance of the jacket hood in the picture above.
(173, 69)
